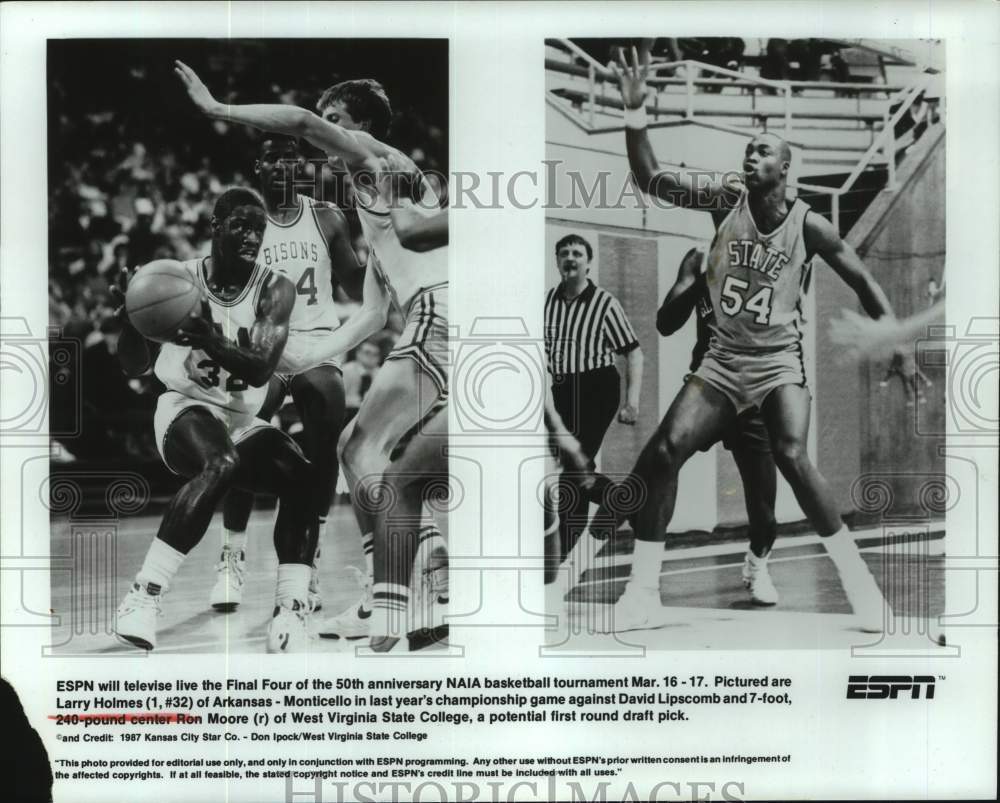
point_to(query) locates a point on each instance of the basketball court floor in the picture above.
(705, 604)
(86, 598)
(707, 607)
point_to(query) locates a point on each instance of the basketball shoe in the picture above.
(355, 620)
(638, 608)
(757, 580)
(289, 628)
(135, 619)
(230, 575)
(315, 598)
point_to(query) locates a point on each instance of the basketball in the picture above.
(160, 297)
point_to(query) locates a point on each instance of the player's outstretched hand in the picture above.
(860, 337)
(632, 77)
(198, 330)
(196, 88)
(628, 415)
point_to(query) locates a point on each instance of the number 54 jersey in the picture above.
(193, 373)
(756, 280)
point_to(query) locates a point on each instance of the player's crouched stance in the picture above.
(216, 373)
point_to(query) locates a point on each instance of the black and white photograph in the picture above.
(751, 442)
(248, 262)
(483, 401)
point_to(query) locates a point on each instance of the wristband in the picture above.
(635, 118)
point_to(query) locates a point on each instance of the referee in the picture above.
(585, 329)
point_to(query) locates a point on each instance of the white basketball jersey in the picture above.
(193, 373)
(405, 272)
(298, 251)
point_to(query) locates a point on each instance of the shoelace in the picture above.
(301, 611)
(231, 564)
(138, 598)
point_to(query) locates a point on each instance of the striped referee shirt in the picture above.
(586, 333)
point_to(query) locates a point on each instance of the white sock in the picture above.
(430, 538)
(368, 545)
(390, 605)
(432, 556)
(158, 569)
(754, 559)
(647, 558)
(859, 583)
(842, 549)
(293, 584)
(235, 540)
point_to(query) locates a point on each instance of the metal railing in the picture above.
(884, 142)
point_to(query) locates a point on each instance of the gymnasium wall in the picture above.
(866, 430)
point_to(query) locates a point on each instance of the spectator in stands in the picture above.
(805, 56)
(143, 241)
(128, 184)
(722, 51)
(775, 65)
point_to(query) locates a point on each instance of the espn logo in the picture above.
(882, 687)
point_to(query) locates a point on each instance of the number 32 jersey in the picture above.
(193, 373)
(756, 280)
(298, 251)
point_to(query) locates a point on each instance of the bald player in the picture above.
(757, 268)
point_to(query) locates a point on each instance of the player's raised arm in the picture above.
(680, 300)
(822, 238)
(356, 150)
(257, 356)
(678, 186)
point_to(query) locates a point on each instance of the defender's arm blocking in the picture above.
(354, 149)
(364, 323)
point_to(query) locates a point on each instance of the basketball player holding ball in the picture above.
(221, 343)
(757, 267)
(354, 116)
(308, 242)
